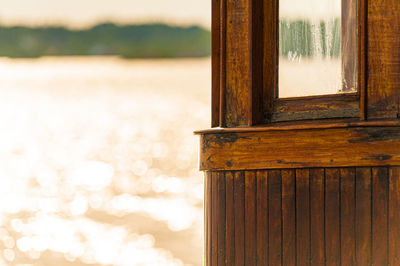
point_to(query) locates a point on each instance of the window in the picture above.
(315, 57)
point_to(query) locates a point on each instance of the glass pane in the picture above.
(311, 48)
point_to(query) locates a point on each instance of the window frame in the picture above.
(346, 105)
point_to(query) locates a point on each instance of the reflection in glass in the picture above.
(310, 49)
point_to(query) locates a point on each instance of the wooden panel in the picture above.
(214, 218)
(250, 218)
(216, 61)
(221, 217)
(316, 107)
(366, 146)
(347, 216)
(208, 215)
(239, 218)
(363, 216)
(275, 217)
(230, 219)
(332, 215)
(237, 92)
(394, 216)
(380, 216)
(383, 58)
(288, 217)
(262, 218)
(317, 216)
(303, 217)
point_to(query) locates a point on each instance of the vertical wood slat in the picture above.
(332, 216)
(303, 216)
(214, 218)
(347, 216)
(250, 236)
(221, 217)
(216, 61)
(317, 231)
(239, 197)
(262, 218)
(230, 219)
(275, 217)
(363, 216)
(208, 215)
(288, 217)
(394, 216)
(380, 216)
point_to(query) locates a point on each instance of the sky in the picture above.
(84, 13)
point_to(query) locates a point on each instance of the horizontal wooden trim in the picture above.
(299, 148)
(316, 107)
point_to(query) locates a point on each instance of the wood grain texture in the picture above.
(288, 217)
(317, 203)
(308, 216)
(394, 216)
(336, 147)
(347, 216)
(230, 218)
(303, 245)
(383, 59)
(380, 187)
(275, 217)
(332, 216)
(237, 91)
(221, 217)
(262, 218)
(363, 216)
(216, 61)
(239, 218)
(250, 218)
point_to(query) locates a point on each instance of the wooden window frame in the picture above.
(245, 69)
(347, 105)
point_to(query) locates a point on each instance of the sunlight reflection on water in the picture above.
(98, 163)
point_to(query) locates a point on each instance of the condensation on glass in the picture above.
(317, 48)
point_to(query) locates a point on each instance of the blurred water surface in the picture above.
(98, 163)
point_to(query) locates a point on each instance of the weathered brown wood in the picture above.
(302, 148)
(332, 216)
(214, 218)
(250, 218)
(362, 24)
(239, 218)
(394, 216)
(230, 219)
(221, 218)
(208, 215)
(383, 59)
(347, 216)
(380, 190)
(317, 216)
(303, 255)
(275, 217)
(256, 50)
(316, 107)
(222, 86)
(216, 61)
(270, 57)
(363, 216)
(262, 218)
(288, 217)
(237, 91)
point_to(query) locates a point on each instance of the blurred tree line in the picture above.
(304, 38)
(129, 41)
